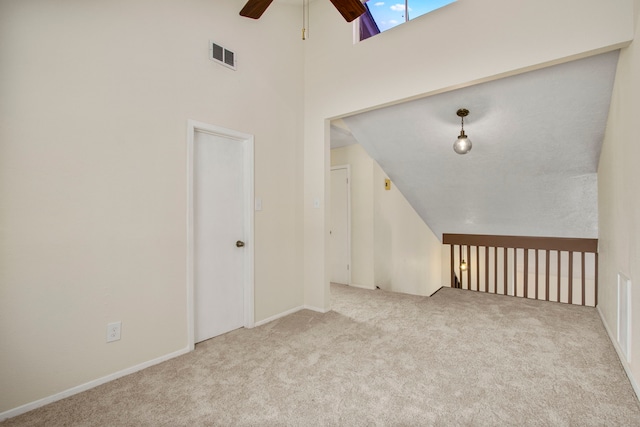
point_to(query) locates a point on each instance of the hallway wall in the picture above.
(391, 246)
(618, 200)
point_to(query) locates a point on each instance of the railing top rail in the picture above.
(523, 242)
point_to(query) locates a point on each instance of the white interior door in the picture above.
(218, 200)
(339, 233)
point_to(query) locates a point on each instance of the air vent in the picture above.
(221, 55)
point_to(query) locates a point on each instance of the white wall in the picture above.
(94, 102)
(426, 56)
(619, 203)
(391, 246)
(407, 255)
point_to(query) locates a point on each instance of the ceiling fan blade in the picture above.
(349, 9)
(255, 8)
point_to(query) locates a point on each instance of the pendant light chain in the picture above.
(305, 19)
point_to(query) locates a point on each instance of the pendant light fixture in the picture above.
(463, 265)
(462, 144)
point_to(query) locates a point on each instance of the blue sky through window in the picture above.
(389, 13)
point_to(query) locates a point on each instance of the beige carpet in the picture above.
(457, 358)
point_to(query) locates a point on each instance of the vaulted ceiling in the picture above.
(533, 167)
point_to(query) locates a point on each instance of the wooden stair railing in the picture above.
(545, 268)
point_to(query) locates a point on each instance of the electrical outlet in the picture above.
(113, 331)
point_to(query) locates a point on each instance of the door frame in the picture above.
(247, 141)
(348, 168)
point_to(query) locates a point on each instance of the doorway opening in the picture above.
(340, 230)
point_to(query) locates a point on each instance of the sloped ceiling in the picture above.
(533, 167)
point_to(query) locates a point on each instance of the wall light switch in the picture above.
(258, 203)
(316, 202)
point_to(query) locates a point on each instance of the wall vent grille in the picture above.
(222, 55)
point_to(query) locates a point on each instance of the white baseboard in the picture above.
(288, 312)
(316, 309)
(624, 362)
(89, 385)
(355, 285)
(278, 316)
(436, 291)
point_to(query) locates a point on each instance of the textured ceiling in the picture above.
(533, 167)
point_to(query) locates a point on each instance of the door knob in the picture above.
(239, 243)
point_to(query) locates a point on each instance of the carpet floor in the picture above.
(458, 358)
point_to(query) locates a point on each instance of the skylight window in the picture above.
(382, 15)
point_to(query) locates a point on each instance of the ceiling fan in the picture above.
(349, 9)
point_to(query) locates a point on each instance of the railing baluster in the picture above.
(459, 261)
(583, 279)
(469, 267)
(559, 269)
(536, 274)
(515, 272)
(495, 270)
(570, 277)
(504, 285)
(478, 268)
(525, 273)
(486, 269)
(453, 271)
(595, 283)
(546, 280)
